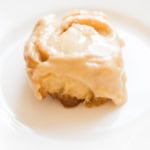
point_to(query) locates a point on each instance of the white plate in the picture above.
(26, 123)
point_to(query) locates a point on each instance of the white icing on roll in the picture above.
(79, 50)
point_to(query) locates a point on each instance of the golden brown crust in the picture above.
(97, 23)
(69, 101)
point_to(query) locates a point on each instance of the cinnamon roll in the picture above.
(76, 59)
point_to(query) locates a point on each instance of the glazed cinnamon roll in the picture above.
(76, 59)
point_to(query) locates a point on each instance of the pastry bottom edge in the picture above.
(69, 101)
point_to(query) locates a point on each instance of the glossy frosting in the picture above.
(80, 55)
